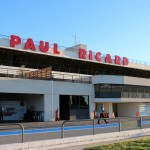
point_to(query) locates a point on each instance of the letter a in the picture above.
(29, 44)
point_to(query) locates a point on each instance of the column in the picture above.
(47, 108)
(110, 109)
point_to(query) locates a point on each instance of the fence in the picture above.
(125, 123)
(43, 75)
(18, 124)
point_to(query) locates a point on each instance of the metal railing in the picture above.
(21, 73)
(123, 122)
(18, 124)
(62, 126)
(73, 128)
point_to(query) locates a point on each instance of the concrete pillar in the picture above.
(91, 107)
(110, 110)
(47, 108)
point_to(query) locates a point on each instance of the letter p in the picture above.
(14, 40)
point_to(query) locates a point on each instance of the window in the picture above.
(116, 91)
(97, 88)
(84, 102)
(74, 102)
(121, 91)
(140, 93)
(79, 102)
(105, 91)
(125, 91)
(133, 91)
(146, 92)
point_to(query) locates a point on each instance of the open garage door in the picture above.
(74, 107)
(15, 107)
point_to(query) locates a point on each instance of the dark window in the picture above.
(97, 89)
(84, 102)
(125, 91)
(105, 91)
(116, 91)
(79, 102)
(140, 93)
(105, 88)
(146, 92)
(133, 91)
(74, 103)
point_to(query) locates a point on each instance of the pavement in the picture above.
(81, 147)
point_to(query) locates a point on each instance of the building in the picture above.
(68, 84)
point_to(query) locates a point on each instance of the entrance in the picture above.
(15, 106)
(115, 109)
(73, 107)
(64, 107)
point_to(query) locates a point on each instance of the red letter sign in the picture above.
(44, 48)
(117, 60)
(90, 55)
(56, 49)
(97, 56)
(29, 44)
(82, 53)
(14, 40)
(108, 58)
(125, 61)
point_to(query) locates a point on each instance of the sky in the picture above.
(116, 27)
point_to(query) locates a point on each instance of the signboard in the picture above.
(76, 52)
(13, 110)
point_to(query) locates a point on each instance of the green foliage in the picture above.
(141, 144)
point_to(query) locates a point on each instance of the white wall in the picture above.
(37, 101)
(128, 109)
(14, 85)
(114, 79)
(50, 90)
(47, 107)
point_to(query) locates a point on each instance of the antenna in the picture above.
(75, 39)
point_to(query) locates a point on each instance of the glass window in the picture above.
(125, 91)
(74, 103)
(79, 102)
(140, 92)
(133, 91)
(105, 91)
(116, 88)
(116, 91)
(97, 88)
(105, 88)
(125, 88)
(84, 102)
(146, 92)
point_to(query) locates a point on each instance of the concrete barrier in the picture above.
(74, 141)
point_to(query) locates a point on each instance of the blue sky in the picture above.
(120, 27)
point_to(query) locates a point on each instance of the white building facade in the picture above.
(73, 91)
